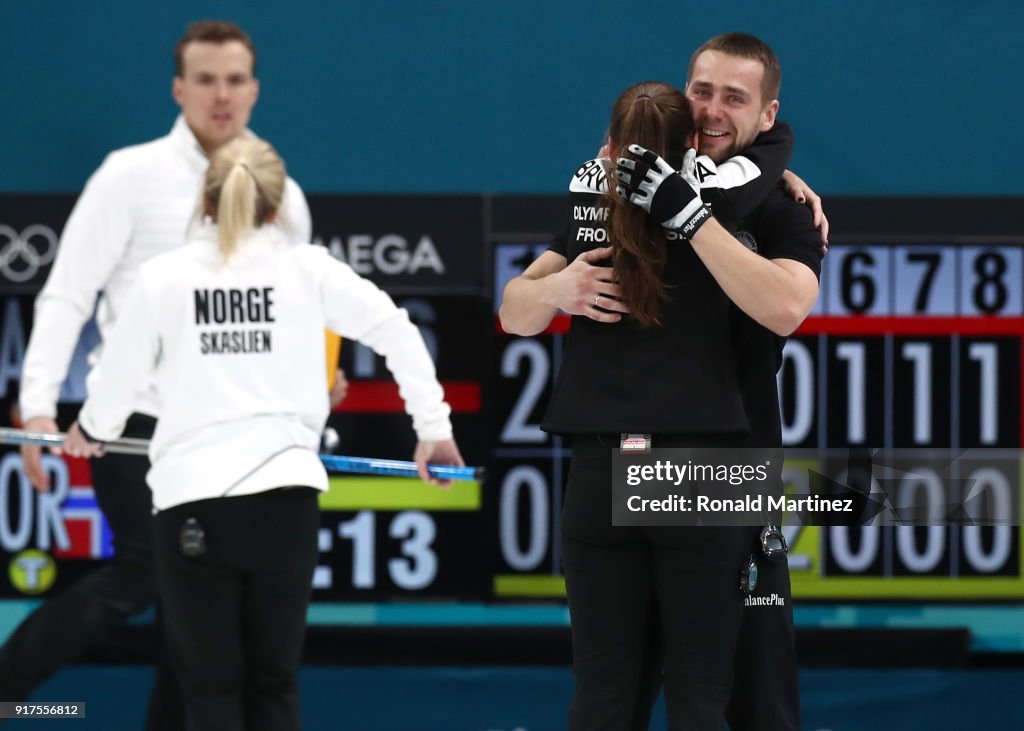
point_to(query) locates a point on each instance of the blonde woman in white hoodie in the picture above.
(231, 325)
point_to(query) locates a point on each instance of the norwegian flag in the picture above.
(89, 535)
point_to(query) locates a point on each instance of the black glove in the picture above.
(672, 198)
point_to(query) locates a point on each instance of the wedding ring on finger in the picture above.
(596, 298)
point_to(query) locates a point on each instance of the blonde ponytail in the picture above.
(243, 190)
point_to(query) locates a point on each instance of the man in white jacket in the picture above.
(136, 205)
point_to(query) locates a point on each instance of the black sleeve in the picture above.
(786, 231)
(560, 244)
(744, 181)
(587, 214)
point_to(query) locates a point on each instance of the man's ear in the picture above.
(176, 89)
(768, 115)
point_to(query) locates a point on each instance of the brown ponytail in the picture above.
(656, 116)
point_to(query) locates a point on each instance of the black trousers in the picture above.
(619, 580)
(86, 613)
(766, 690)
(766, 680)
(236, 614)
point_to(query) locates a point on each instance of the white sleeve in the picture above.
(737, 186)
(94, 240)
(294, 216)
(356, 308)
(129, 357)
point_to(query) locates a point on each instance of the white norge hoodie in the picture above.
(237, 351)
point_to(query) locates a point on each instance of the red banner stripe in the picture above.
(559, 325)
(381, 397)
(869, 325)
(919, 325)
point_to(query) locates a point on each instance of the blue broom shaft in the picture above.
(333, 463)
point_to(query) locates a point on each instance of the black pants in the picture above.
(766, 691)
(766, 682)
(86, 613)
(619, 579)
(236, 615)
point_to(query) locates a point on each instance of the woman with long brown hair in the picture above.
(649, 357)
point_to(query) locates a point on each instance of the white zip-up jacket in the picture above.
(237, 349)
(136, 205)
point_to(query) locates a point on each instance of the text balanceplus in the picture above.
(234, 306)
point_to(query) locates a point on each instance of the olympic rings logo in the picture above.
(23, 255)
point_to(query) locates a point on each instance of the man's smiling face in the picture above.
(726, 96)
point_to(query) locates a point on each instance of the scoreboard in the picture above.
(916, 341)
(911, 346)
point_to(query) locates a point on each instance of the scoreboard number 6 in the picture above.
(857, 285)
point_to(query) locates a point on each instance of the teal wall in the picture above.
(903, 98)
